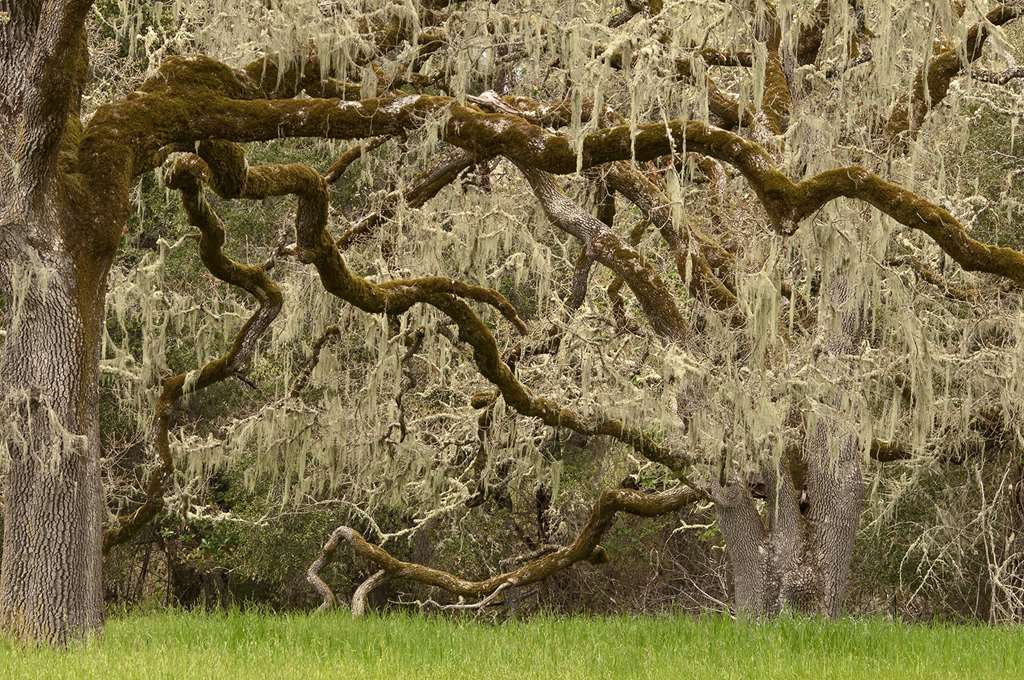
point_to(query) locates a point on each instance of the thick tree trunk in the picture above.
(834, 483)
(50, 574)
(790, 559)
(56, 242)
(836, 491)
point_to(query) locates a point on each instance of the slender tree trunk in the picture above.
(50, 574)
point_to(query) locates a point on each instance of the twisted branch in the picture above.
(185, 175)
(937, 73)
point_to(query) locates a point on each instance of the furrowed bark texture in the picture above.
(55, 251)
(835, 487)
(50, 588)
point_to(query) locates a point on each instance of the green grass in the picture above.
(243, 645)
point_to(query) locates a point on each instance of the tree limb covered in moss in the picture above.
(315, 246)
(232, 115)
(185, 175)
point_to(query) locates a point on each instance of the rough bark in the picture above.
(747, 546)
(55, 251)
(834, 481)
(50, 587)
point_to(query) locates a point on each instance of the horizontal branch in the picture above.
(143, 125)
(230, 176)
(998, 77)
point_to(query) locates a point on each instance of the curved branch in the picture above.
(363, 592)
(330, 601)
(137, 129)
(185, 176)
(586, 546)
(910, 210)
(315, 246)
(350, 156)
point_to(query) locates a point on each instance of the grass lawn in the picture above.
(243, 645)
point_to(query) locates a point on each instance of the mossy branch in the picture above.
(938, 71)
(186, 175)
(315, 246)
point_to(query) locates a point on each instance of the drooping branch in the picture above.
(315, 246)
(911, 210)
(586, 547)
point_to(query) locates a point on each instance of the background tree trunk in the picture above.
(835, 486)
(748, 546)
(797, 555)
